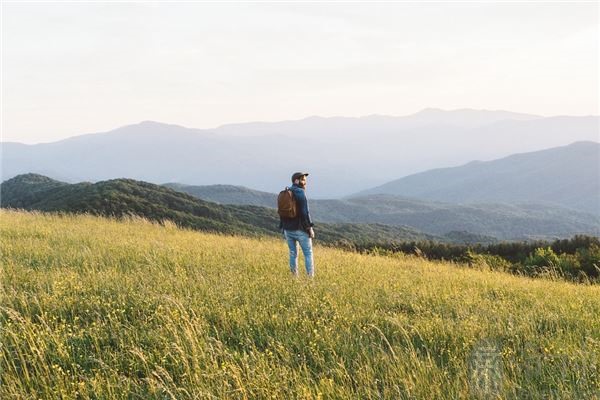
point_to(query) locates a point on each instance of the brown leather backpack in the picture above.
(286, 204)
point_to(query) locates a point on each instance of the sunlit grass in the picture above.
(95, 308)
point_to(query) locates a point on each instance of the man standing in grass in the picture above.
(299, 229)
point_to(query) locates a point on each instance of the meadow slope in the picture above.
(102, 309)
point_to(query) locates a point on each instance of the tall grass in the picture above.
(100, 309)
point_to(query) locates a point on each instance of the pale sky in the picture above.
(73, 68)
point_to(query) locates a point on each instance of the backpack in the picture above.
(286, 204)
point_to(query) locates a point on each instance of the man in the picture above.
(299, 229)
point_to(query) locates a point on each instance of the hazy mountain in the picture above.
(507, 222)
(228, 194)
(568, 176)
(120, 197)
(343, 155)
(347, 127)
(467, 222)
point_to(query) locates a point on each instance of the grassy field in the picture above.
(95, 308)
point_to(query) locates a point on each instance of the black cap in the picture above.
(298, 175)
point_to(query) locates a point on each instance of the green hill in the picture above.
(95, 308)
(28, 189)
(122, 197)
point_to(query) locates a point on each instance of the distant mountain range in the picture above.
(552, 193)
(122, 197)
(567, 176)
(343, 155)
(487, 221)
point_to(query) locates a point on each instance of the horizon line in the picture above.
(427, 109)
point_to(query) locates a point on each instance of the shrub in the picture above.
(589, 259)
(542, 257)
(489, 261)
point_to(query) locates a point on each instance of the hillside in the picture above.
(568, 176)
(122, 197)
(344, 155)
(480, 222)
(97, 308)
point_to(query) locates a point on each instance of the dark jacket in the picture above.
(302, 220)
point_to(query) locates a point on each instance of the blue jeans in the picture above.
(293, 238)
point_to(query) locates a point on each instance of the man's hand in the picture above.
(311, 233)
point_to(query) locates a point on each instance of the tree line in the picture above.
(577, 258)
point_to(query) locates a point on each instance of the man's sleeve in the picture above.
(308, 219)
(304, 212)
